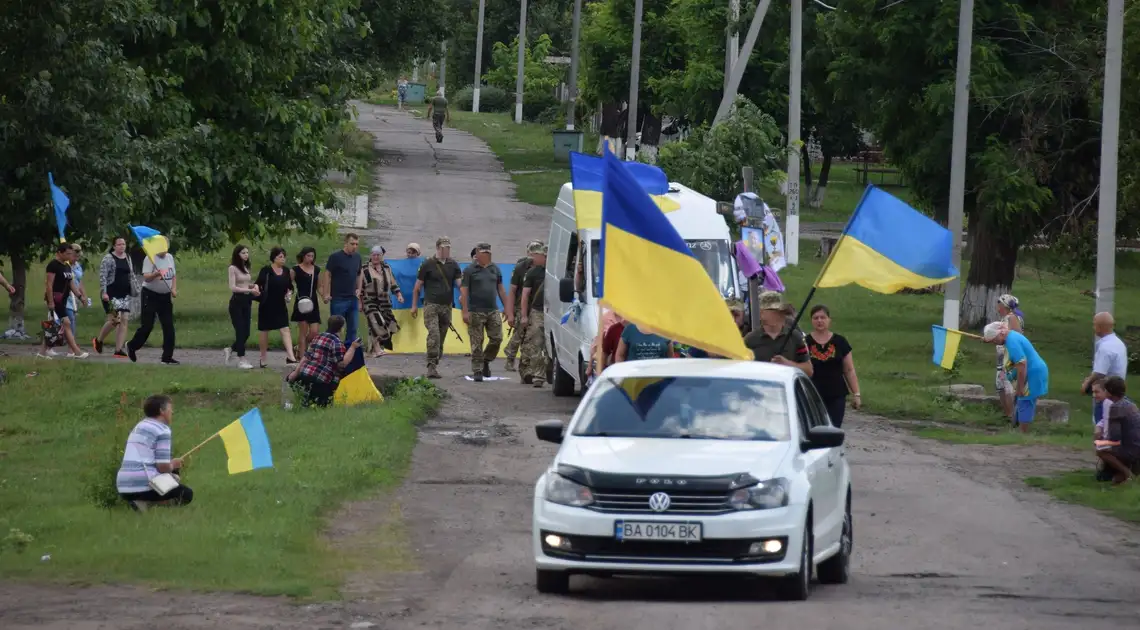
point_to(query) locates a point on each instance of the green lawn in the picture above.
(843, 193)
(257, 532)
(1079, 487)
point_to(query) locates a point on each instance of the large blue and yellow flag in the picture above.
(356, 386)
(644, 260)
(946, 343)
(888, 246)
(247, 445)
(586, 178)
(152, 242)
(60, 202)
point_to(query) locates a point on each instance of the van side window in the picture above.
(571, 256)
(580, 272)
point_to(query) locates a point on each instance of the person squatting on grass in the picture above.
(147, 455)
(318, 373)
(1121, 430)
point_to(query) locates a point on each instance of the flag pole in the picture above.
(204, 442)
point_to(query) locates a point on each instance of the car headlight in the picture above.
(765, 495)
(562, 491)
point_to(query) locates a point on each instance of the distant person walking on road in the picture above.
(479, 292)
(243, 291)
(402, 92)
(377, 288)
(160, 287)
(341, 284)
(439, 114)
(117, 285)
(532, 365)
(273, 314)
(514, 294)
(1012, 317)
(306, 309)
(1110, 358)
(438, 276)
(1032, 374)
(77, 298)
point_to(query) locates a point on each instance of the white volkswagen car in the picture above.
(696, 466)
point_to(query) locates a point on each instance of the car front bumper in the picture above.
(591, 546)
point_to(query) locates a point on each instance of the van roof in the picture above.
(693, 220)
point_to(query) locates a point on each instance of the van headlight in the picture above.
(765, 495)
(562, 491)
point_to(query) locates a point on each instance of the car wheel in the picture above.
(837, 569)
(562, 384)
(553, 582)
(797, 587)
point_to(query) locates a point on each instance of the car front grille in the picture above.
(684, 502)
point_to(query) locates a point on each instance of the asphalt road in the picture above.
(945, 536)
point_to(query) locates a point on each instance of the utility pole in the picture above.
(1109, 145)
(478, 59)
(732, 48)
(795, 92)
(574, 30)
(754, 281)
(522, 60)
(634, 78)
(443, 69)
(951, 304)
(729, 97)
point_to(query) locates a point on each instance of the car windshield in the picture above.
(686, 407)
(713, 254)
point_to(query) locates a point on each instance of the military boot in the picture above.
(432, 372)
(510, 366)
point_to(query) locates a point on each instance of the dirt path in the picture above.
(946, 536)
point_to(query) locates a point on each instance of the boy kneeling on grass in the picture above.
(147, 456)
(1118, 440)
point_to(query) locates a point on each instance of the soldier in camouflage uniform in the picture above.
(515, 294)
(532, 366)
(481, 286)
(438, 276)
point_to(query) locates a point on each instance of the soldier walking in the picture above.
(437, 276)
(482, 284)
(515, 295)
(532, 365)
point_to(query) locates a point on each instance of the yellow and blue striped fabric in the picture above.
(247, 445)
(356, 386)
(888, 246)
(946, 342)
(152, 242)
(644, 260)
(586, 178)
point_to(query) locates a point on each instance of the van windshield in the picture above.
(714, 255)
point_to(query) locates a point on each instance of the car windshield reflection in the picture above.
(686, 408)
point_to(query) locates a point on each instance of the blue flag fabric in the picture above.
(61, 202)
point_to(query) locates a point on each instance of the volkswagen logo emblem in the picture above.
(659, 502)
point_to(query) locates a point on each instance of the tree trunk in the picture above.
(992, 265)
(19, 280)
(650, 138)
(820, 191)
(807, 166)
(611, 119)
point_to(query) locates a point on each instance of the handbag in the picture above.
(163, 483)
(305, 304)
(52, 330)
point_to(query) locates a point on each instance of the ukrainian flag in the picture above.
(643, 392)
(946, 342)
(153, 242)
(888, 246)
(587, 180)
(644, 260)
(247, 445)
(356, 386)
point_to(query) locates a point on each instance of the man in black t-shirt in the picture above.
(58, 285)
(341, 284)
(532, 366)
(514, 294)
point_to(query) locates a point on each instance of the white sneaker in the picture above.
(226, 352)
(43, 356)
(82, 355)
(52, 353)
(245, 365)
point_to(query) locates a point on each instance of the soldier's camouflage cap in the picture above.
(483, 247)
(443, 241)
(536, 247)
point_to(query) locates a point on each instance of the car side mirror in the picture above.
(550, 431)
(566, 290)
(823, 437)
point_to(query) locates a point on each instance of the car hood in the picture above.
(675, 456)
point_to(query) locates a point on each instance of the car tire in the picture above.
(552, 582)
(797, 587)
(837, 569)
(561, 383)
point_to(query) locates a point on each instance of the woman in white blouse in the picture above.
(243, 291)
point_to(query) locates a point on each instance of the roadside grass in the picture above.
(1123, 501)
(893, 348)
(358, 147)
(257, 532)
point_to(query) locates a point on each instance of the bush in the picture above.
(491, 99)
(537, 105)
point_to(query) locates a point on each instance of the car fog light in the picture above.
(765, 547)
(556, 541)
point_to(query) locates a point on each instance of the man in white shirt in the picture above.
(160, 286)
(1110, 356)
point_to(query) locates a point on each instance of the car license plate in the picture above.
(673, 532)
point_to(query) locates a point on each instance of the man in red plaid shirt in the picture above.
(318, 372)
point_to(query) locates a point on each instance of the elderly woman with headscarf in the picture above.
(377, 284)
(1031, 375)
(1012, 317)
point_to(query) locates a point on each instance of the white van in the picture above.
(569, 344)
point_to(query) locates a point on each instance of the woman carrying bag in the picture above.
(276, 287)
(306, 311)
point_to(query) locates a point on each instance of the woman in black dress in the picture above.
(833, 368)
(305, 277)
(276, 287)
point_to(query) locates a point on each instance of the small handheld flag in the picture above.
(247, 445)
(151, 240)
(356, 387)
(946, 342)
(61, 202)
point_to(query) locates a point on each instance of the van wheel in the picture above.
(561, 383)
